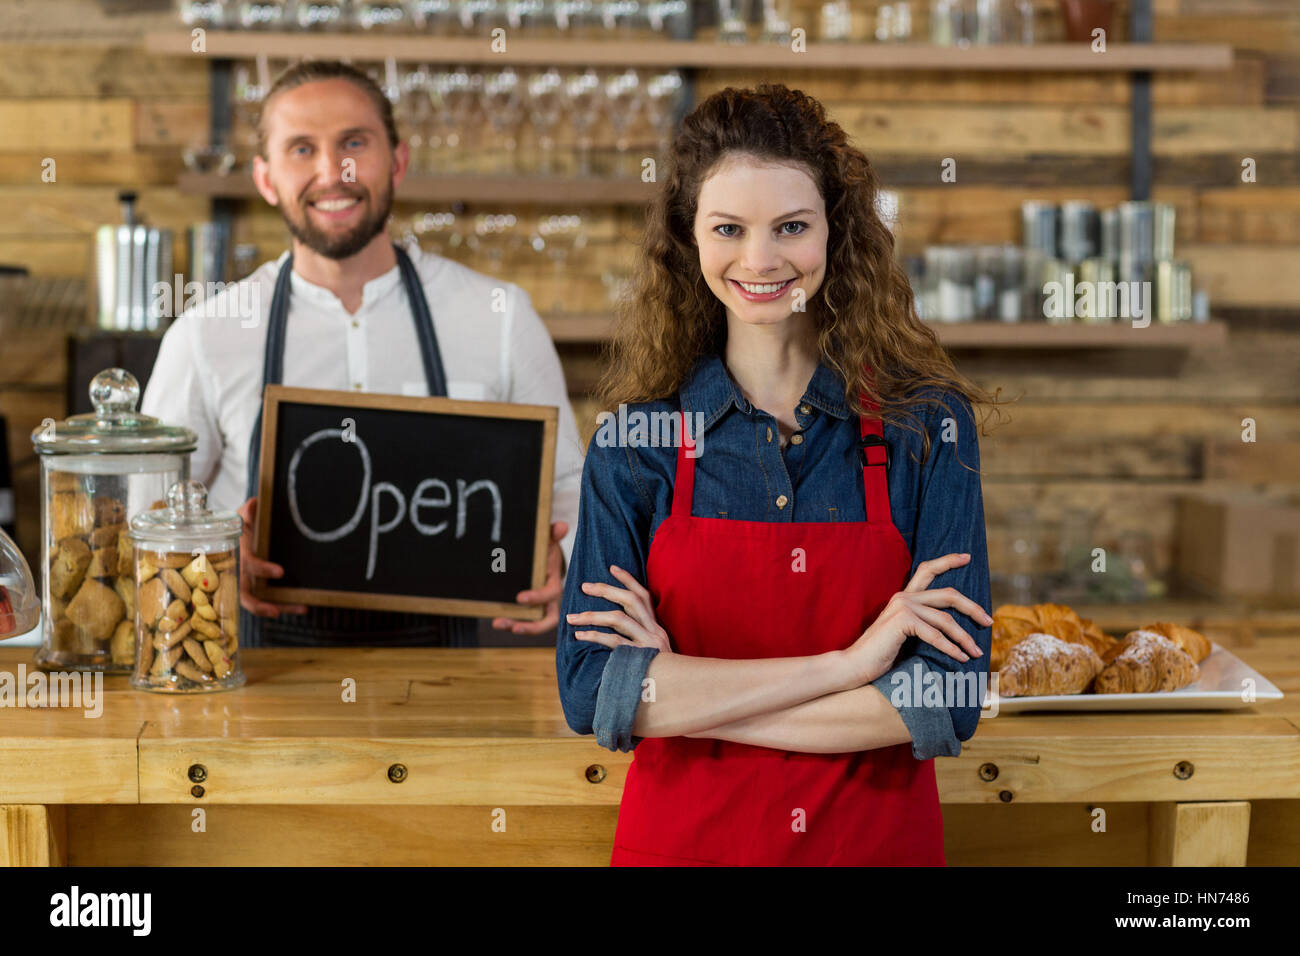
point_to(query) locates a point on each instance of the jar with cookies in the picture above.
(187, 595)
(98, 470)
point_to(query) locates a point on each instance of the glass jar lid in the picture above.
(186, 521)
(114, 427)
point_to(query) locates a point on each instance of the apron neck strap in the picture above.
(278, 322)
(873, 454)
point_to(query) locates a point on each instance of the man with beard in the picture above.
(345, 308)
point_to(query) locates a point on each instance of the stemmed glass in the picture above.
(776, 21)
(251, 83)
(545, 106)
(623, 93)
(582, 96)
(435, 231)
(412, 112)
(560, 235)
(503, 106)
(663, 98)
(733, 20)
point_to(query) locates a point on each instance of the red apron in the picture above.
(732, 589)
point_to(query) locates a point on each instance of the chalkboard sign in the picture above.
(431, 505)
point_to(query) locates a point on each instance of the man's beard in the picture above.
(338, 245)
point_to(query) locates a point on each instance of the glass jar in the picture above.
(97, 471)
(20, 608)
(187, 595)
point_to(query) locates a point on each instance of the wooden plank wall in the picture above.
(1123, 433)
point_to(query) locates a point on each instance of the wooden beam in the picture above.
(694, 53)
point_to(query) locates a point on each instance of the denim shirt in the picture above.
(627, 492)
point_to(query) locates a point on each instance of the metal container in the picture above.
(1136, 229)
(130, 260)
(951, 270)
(1110, 234)
(1038, 226)
(1099, 274)
(1164, 288)
(1078, 231)
(1056, 305)
(97, 471)
(1162, 230)
(208, 245)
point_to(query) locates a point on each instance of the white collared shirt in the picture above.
(208, 376)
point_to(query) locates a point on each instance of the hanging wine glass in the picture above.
(582, 95)
(545, 106)
(623, 94)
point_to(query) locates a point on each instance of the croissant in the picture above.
(1147, 662)
(1012, 623)
(1193, 642)
(1042, 664)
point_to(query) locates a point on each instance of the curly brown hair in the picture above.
(863, 312)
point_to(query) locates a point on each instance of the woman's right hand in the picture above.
(251, 566)
(915, 611)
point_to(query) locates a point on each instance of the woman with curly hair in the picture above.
(759, 610)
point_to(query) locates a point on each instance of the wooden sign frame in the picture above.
(276, 395)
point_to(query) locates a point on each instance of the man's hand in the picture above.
(548, 594)
(251, 566)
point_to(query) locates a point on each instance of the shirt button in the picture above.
(796, 439)
(356, 324)
(782, 501)
(804, 410)
(357, 386)
(769, 434)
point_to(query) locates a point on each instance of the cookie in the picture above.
(96, 609)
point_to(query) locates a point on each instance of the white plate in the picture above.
(1219, 687)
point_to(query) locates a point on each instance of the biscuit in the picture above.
(125, 589)
(96, 609)
(71, 515)
(196, 652)
(166, 660)
(122, 646)
(69, 570)
(151, 598)
(103, 563)
(189, 671)
(108, 511)
(175, 583)
(217, 657)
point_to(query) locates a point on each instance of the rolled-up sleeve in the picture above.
(600, 688)
(950, 519)
(930, 726)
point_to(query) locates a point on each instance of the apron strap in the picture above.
(684, 482)
(873, 452)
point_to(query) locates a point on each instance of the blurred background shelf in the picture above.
(1054, 57)
(454, 187)
(596, 327)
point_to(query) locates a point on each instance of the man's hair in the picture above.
(312, 71)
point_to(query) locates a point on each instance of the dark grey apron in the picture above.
(330, 626)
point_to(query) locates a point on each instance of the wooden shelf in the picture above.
(1079, 335)
(991, 335)
(460, 188)
(1054, 57)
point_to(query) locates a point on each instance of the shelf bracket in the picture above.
(1140, 106)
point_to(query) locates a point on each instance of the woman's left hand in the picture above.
(635, 624)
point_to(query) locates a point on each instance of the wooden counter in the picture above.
(463, 756)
